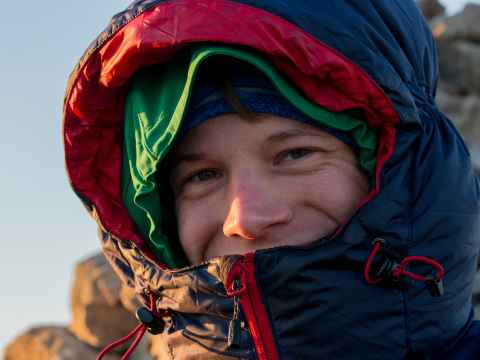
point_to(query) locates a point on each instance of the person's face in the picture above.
(243, 185)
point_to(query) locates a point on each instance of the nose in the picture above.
(251, 214)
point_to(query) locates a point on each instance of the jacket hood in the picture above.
(376, 58)
(155, 112)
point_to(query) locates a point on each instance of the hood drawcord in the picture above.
(390, 268)
(139, 331)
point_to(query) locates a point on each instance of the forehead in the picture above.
(229, 130)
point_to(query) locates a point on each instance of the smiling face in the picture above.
(242, 185)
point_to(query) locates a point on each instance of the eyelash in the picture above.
(200, 173)
(303, 152)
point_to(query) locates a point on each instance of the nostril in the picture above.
(235, 229)
(235, 225)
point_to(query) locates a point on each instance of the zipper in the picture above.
(242, 287)
(235, 326)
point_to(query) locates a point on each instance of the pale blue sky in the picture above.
(44, 228)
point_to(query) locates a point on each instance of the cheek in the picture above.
(337, 191)
(196, 231)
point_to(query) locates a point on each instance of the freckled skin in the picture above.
(243, 185)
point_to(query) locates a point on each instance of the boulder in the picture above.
(431, 8)
(458, 65)
(462, 26)
(51, 343)
(463, 111)
(98, 316)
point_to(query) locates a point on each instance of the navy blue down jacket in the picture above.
(394, 283)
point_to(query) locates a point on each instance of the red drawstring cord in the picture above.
(400, 270)
(366, 271)
(139, 331)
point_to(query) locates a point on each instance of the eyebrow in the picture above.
(277, 137)
(291, 133)
(187, 157)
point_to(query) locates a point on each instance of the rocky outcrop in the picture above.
(51, 343)
(464, 111)
(458, 40)
(431, 8)
(98, 315)
(102, 312)
(463, 26)
(461, 76)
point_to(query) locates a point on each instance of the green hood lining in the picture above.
(154, 109)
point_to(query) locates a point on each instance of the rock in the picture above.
(458, 40)
(51, 343)
(475, 153)
(463, 111)
(98, 316)
(431, 8)
(458, 62)
(462, 26)
(58, 343)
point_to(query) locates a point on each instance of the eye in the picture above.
(294, 154)
(204, 175)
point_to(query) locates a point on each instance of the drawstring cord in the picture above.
(397, 270)
(401, 269)
(366, 271)
(139, 331)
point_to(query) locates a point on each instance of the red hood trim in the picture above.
(93, 118)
